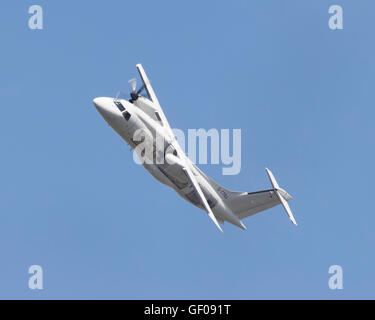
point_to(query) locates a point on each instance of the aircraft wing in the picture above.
(201, 195)
(186, 163)
(154, 99)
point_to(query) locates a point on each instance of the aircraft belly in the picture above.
(183, 186)
(172, 175)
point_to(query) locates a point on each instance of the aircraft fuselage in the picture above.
(128, 119)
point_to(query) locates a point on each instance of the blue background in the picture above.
(74, 202)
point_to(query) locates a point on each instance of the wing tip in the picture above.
(243, 227)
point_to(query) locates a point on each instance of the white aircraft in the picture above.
(179, 172)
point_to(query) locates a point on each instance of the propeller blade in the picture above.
(133, 84)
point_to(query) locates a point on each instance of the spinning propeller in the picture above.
(134, 93)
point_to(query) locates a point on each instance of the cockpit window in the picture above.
(126, 115)
(119, 106)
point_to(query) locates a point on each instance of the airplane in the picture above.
(144, 114)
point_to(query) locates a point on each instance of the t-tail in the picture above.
(245, 204)
(282, 195)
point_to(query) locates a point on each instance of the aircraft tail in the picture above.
(244, 204)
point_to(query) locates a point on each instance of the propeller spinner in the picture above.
(134, 94)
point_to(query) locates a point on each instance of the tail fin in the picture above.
(245, 204)
(282, 195)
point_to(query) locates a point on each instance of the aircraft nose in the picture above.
(103, 105)
(99, 103)
(106, 108)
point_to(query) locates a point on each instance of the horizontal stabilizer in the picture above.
(282, 195)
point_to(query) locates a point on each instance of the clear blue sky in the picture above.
(74, 202)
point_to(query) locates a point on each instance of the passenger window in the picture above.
(157, 116)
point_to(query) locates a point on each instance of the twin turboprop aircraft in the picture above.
(141, 113)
